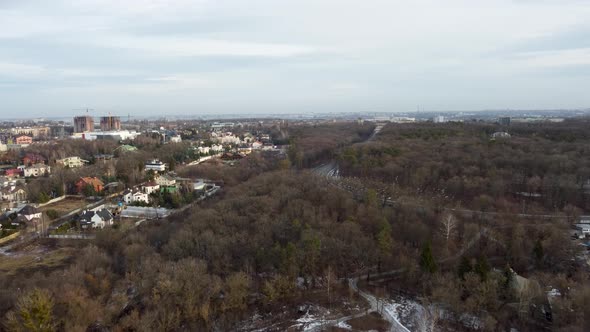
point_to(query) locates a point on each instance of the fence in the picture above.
(72, 236)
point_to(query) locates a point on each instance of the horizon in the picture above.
(489, 113)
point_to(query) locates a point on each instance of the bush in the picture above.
(52, 214)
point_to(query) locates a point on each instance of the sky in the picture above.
(158, 57)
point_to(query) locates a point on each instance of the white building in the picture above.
(96, 218)
(402, 119)
(501, 134)
(150, 187)
(165, 180)
(221, 125)
(175, 139)
(119, 135)
(72, 162)
(228, 139)
(257, 145)
(3, 147)
(439, 119)
(583, 228)
(204, 149)
(30, 212)
(135, 196)
(37, 170)
(13, 194)
(155, 165)
(217, 148)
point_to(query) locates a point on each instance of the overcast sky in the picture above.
(149, 57)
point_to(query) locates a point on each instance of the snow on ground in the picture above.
(343, 325)
(411, 314)
(308, 322)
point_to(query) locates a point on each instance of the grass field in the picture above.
(32, 261)
(66, 205)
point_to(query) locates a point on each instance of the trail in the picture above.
(396, 326)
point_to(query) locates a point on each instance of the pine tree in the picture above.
(538, 251)
(482, 267)
(464, 267)
(427, 262)
(384, 242)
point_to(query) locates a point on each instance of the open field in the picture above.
(34, 259)
(66, 205)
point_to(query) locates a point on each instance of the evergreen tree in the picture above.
(427, 262)
(482, 267)
(464, 267)
(538, 251)
(384, 242)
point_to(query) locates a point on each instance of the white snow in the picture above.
(343, 325)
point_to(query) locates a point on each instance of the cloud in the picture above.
(187, 47)
(236, 55)
(555, 58)
(20, 70)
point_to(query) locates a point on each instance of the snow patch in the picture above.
(343, 325)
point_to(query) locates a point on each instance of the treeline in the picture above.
(309, 145)
(537, 169)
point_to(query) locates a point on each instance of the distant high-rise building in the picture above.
(110, 123)
(83, 124)
(439, 119)
(505, 121)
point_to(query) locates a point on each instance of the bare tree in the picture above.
(448, 228)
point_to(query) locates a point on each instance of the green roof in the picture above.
(128, 148)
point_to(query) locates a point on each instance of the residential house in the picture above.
(204, 149)
(165, 180)
(229, 138)
(13, 194)
(155, 165)
(248, 138)
(95, 219)
(72, 162)
(23, 140)
(135, 196)
(175, 139)
(30, 212)
(217, 148)
(13, 172)
(37, 170)
(20, 221)
(257, 145)
(150, 187)
(33, 158)
(84, 182)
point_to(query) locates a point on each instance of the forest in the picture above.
(222, 261)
